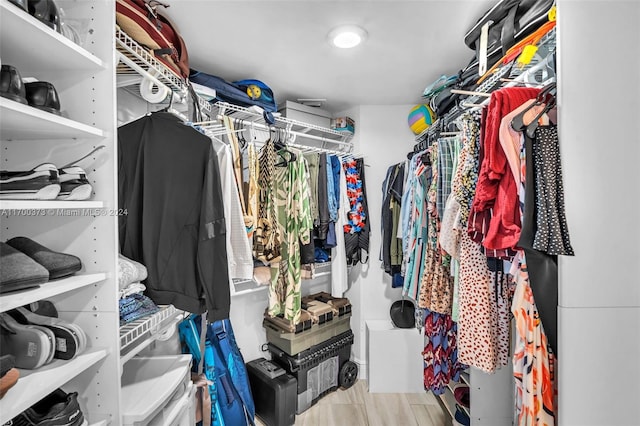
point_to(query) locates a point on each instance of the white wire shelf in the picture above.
(138, 334)
(546, 47)
(134, 60)
(316, 138)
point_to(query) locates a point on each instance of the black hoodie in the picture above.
(169, 185)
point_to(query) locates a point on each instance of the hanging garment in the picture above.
(533, 362)
(313, 160)
(267, 240)
(252, 190)
(323, 198)
(406, 209)
(358, 228)
(552, 233)
(238, 246)
(388, 236)
(496, 193)
(542, 267)
(339, 271)
(418, 236)
(294, 220)
(511, 139)
(440, 354)
(436, 288)
(234, 145)
(448, 151)
(169, 182)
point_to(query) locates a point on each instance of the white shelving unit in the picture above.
(35, 385)
(139, 334)
(48, 290)
(19, 121)
(84, 77)
(40, 207)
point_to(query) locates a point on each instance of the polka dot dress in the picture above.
(552, 234)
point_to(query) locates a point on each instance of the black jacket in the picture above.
(169, 184)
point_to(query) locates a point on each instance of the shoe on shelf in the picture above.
(19, 271)
(7, 362)
(39, 183)
(31, 345)
(11, 85)
(43, 95)
(70, 338)
(43, 307)
(74, 184)
(56, 409)
(59, 265)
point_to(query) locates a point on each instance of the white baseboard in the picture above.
(362, 368)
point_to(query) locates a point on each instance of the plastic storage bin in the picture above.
(293, 343)
(153, 390)
(320, 369)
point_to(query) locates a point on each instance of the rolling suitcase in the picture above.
(274, 393)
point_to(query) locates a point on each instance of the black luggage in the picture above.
(274, 393)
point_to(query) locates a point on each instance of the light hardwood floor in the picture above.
(357, 407)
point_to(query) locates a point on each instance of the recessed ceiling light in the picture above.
(347, 36)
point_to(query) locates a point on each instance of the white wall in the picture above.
(384, 139)
(599, 289)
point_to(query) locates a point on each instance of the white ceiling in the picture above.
(284, 44)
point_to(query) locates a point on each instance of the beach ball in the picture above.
(420, 118)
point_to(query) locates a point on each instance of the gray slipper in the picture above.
(59, 265)
(19, 271)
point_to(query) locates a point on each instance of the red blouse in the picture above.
(496, 198)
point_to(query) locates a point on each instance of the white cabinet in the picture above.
(84, 78)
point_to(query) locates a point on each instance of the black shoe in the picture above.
(39, 183)
(56, 409)
(11, 85)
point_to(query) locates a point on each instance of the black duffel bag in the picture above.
(509, 21)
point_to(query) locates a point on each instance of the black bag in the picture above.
(402, 313)
(510, 21)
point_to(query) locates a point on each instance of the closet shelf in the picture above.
(546, 48)
(48, 289)
(50, 50)
(242, 286)
(99, 421)
(33, 385)
(466, 379)
(138, 334)
(55, 207)
(337, 140)
(135, 62)
(149, 384)
(23, 122)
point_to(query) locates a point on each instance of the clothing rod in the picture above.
(265, 127)
(469, 92)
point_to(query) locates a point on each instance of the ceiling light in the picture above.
(347, 36)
